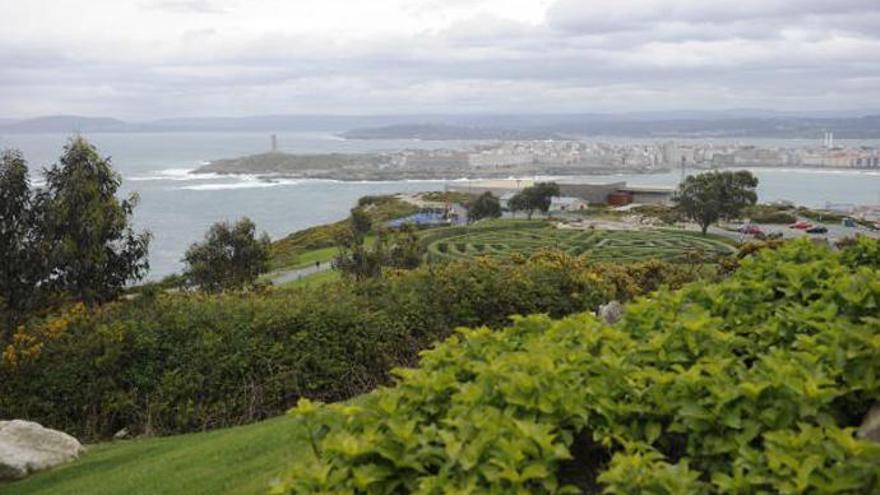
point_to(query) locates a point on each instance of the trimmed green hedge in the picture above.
(770, 214)
(752, 385)
(176, 363)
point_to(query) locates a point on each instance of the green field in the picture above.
(604, 245)
(235, 461)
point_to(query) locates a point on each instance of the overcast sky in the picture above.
(140, 59)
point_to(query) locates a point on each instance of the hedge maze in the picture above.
(601, 245)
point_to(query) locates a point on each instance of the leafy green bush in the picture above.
(666, 214)
(820, 216)
(770, 214)
(173, 363)
(861, 251)
(449, 197)
(752, 385)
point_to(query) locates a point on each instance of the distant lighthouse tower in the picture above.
(274, 140)
(683, 169)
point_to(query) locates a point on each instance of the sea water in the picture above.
(178, 207)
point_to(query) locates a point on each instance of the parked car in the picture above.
(750, 229)
(818, 229)
(801, 225)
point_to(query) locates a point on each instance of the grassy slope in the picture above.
(287, 252)
(239, 461)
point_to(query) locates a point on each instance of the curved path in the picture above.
(285, 276)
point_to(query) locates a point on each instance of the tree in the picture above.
(91, 248)
(708, 197)
(231, 257)
(358, 261)
(535, 198)
(485, 206)
(19, 264)
(407, 251)
(518, 202)
(360, 223)
(403, 250)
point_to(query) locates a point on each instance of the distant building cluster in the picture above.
(834, 157)
(573, 154)
(575, 194)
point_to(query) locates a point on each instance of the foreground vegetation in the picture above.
(171, 363)
(689, 394)
(752, 385)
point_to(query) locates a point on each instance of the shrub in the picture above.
(666, 214)
(768, 214)
(231, 257)
(861, 251)
(166, 363)
(751, 385)
(820, 216)
(448, 197)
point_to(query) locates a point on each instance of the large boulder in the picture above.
(870, 429)
(26, 447)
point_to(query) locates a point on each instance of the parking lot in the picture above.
(835, 231)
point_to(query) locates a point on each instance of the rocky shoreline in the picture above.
(378, 167)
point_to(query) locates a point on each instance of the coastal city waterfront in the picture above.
(666, 154)
(177, 206)
(520, 158)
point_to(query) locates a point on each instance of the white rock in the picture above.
(611, 313)
(26, 447)
(121, 434)
(870, 429)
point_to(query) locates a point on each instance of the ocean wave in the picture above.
(246, 183)
(175, 174)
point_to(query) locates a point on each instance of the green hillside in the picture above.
(234, 461)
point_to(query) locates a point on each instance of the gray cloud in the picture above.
(580, 16)
(187, 6)
(582, 56)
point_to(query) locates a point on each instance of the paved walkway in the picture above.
(285, 276)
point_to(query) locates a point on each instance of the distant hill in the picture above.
(66, 124)
(545, 128)
(447, 132)
(732, 123)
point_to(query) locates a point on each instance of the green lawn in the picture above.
(241, 460)
(308, 258)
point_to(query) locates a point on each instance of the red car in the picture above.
(800, 225)
(750, 229)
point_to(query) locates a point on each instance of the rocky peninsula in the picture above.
(403, 165)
